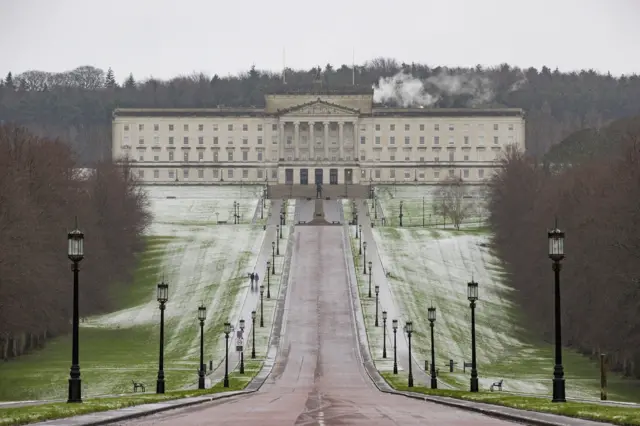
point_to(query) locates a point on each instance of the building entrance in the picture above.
(318, 176)
(333, 176)
(304, 176)
(348, 176)
(288, 176)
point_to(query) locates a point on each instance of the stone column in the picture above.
(341, 140)
(356, 141)
(296, 140)
(312, 150)
(282, 140)
(326, 139)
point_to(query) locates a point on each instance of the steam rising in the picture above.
(408, 91)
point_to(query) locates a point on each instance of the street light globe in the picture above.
(261, 288)
(364, 245)
(556, 244)
(273, 244)
(370, 264)
(227, 328)
(394, 324)
(472, 290)
(202, 312)
(76, 245)
(384, 315)
(377, 289)
(163, 292)
(409, 326)
(268, 264)
(253, 315)
(431, 314)
(242, 324)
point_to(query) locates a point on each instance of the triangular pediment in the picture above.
(318, 107)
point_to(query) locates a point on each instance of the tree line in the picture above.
(41, 191)
(595, 202)
(77, 105)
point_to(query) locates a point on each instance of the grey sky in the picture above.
(165, 38)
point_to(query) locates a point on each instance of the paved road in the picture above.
(318, 378)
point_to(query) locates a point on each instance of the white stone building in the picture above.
(304, 138)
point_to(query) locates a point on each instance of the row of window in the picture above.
(274, 127)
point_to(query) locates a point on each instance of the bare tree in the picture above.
(454, 201)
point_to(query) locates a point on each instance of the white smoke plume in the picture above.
(406, 90)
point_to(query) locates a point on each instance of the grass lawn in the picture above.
(625, 416)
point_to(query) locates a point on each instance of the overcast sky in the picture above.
(164, 38)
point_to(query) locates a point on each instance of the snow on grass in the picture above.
(432, 268)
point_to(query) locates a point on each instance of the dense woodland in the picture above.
(596, 203)
(76, 105)
(40, 194)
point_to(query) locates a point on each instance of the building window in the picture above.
(436, 174)
(422, 127)
(259, 127)
(230, 173)
(274, 140)
(436, 140)
(200, 140)
(377, 127)
(141, 157)
(156, 127)
(481, 126)
(466, 158)
(171, 174)
(392, 140)
(465, 173)
(260, 173)
(392, 158)
(230, 155)
(245, 156)
(481, 173)
(156, 140)
(421, 175)
(407, 174)
(392, 173)
(185, 173)
(422, 159)
(274, 128)
(495, 127)
(451, 127)
(436, 159)
(245, 173)
(259, 155)
(156, 174)
(200, 156)
(436, 127)
(289, 140)
(406, 158)
(245, 141)
(452, 173)
(200, 127)
(186, 127)
(230, 140)
(170, 140)
(126, 127)
(451, 156)
(421, 140)
(230, 127)
(200, 173)
(377, 173)
(466, 140)
(392, 127)
(511, 127)
(407, 127)
(140, 127)
(215, 173)
(185, 140)
(377, 140)
(170, 155)
(171, 127)
(274, 174)
(495, 140)
(363, 156)
(215, 156)
(451, 140)
(141, 141)
(215, 127)
(481, 140)
(245, 127)
(141, 174)
(185, 156)
(259, 140)
(407, 140)
(215, 140)
(363, 140)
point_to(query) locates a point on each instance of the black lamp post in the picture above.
(75, 254)
(253, 332)
(384, 334)
(400, 216)
(202, 315)
(227, 331)
(261, 305)
(242, 347)
(280, 235)
(370, 278)
(556, 254)
(364, 258)
(409, 329)
(431, 316)
(163, 296)
(377, 291)
(360, 241)
(375, 207)
(235, 212)
(268, 282)
(273, 257)
(472, 295)
(394, 326)
(281, 218)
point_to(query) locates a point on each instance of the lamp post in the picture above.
(472, 295)
(268, 283)
(377, 291)
(384, 334)
(242, 350)
(253, 332)
(277, 244)
(273, 258)
(375, 207)
(409, 329)
(400, 216)
(280, 234)
(431, 316)
(394, 326)
(370, 278)
(261, 305)
(556, 254)
(202, 315)
(364, 258)
(75, 254)
(162, 296)
(227, 330)
(360, 241)
(235, 215)
(281, 218)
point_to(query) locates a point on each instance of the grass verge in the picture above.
(625, 416)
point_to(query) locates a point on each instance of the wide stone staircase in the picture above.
(309, 191)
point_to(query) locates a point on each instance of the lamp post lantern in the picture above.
(227, 331)
(400, 216)
(202, 315)
(163, 297)
(370, 264)
(273, 258)
(242, 350)
(253, 332)
(431, 316)
(556, 254)
(360, 242)
(472, 295)
(76, 254)
(377, 292)
(364, 258)
(261, 305)
(394, 326)
(384, 334)
(409, 329)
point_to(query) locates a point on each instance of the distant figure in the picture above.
(253, 277)
(318, 190)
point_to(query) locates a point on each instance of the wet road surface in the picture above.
(318, 378)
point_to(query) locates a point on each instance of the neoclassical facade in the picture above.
(310, 137)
